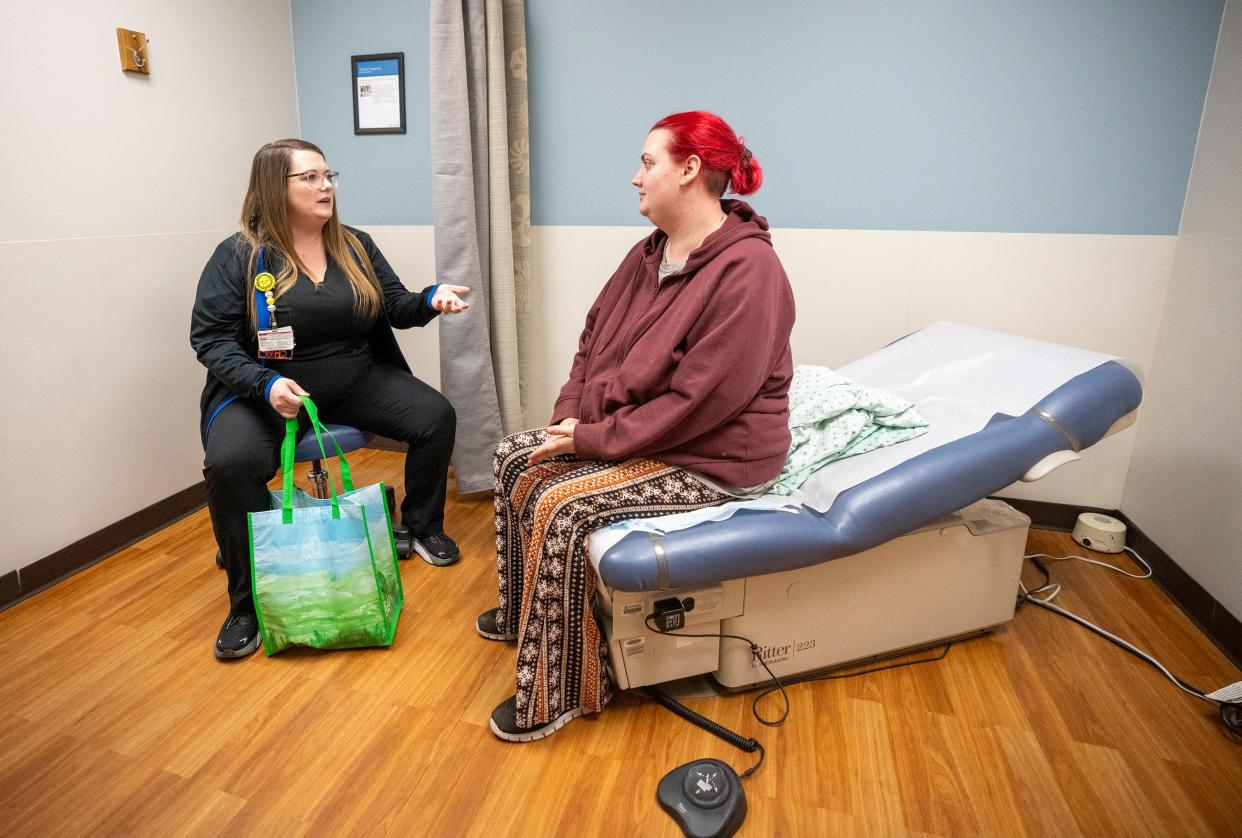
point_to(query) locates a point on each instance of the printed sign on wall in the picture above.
(379, 93)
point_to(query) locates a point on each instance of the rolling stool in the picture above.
(350, 439)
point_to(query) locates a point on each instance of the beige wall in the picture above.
(411, 252)
(1185, 483)
(116, 189)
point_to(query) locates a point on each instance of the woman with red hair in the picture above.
(677, 400)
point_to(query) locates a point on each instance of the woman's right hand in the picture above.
(568, 422)
(284, 397)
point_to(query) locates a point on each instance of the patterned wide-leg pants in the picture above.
(545, 515)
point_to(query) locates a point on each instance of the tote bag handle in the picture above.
(287, 457)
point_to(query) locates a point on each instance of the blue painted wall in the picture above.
(385, 178)
(1078, 116)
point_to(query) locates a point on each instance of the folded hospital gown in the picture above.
(831, 417)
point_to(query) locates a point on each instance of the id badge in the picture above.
(276, 344)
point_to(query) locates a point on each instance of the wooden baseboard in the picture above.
(1053, 516)
(1212, 618)
(10, 588)
(47, 571)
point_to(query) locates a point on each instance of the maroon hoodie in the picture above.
(693, 372)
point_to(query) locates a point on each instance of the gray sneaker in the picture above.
(504, 723)
(239, 637)
(486, 626)
(438, 549)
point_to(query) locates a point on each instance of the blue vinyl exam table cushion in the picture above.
(932, 484)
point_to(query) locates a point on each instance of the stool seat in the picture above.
(348, 437)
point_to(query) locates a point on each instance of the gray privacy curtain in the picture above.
(480, 179)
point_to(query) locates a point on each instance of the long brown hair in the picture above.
(265, 221)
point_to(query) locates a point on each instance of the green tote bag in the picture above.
(324, 571)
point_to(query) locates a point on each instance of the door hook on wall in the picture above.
(133, 49)
(138, 59)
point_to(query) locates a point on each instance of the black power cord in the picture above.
(1047, 574)
(750, 744)
(737, 740)
(754, 650)
(833, 676)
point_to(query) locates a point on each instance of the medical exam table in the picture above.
(893, 550)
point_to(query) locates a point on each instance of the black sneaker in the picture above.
(438, 549)
(239, 637)
(504, 723)
(486, 626)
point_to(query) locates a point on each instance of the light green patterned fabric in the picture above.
(831, 417)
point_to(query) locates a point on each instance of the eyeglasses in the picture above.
(314, 179)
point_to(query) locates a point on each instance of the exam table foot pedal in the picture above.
(705, 797)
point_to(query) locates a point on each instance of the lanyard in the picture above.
(264, 285)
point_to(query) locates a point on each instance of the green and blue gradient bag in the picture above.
(324, 571)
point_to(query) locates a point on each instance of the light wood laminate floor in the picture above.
(115, 719)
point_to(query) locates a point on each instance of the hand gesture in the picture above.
(560, 441)
(446, 299)
(284, 397)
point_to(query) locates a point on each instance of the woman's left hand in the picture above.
(560, 441)
(446, 299)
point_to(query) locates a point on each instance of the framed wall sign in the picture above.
(379, 93)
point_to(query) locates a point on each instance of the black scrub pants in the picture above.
(243, 450)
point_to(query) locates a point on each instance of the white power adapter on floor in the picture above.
(1100, 533)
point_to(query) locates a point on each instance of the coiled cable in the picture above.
(749, 745)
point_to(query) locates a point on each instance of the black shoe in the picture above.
(504, 723)
(403, 541)
(438, 549)
(239, 637)
(486, 626)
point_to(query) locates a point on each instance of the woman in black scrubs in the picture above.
(294, 267)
